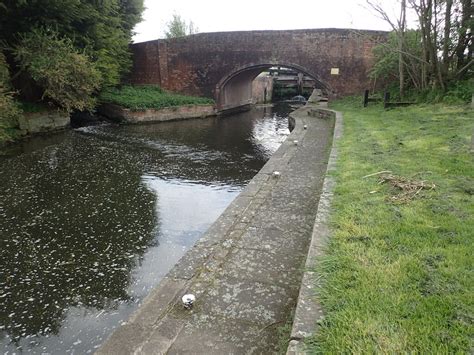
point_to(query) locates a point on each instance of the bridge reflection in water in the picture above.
(91, 219)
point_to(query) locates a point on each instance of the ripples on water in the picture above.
(92, 219)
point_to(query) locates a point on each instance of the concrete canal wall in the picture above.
(41, 122)
(246, 271)
(125, 115)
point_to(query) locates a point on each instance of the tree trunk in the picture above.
(447, 37)
(466, 30)
(421, 10)
(437, 70)
(401, 41)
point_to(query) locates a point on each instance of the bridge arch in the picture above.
(235, 89)
(212, 64)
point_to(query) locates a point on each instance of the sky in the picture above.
(246, 15)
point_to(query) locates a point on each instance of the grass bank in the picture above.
(398, 276)
(148, 97)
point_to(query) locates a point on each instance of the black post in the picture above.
(386, 99)
(366, 98)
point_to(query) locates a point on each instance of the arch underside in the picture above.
(235, 89)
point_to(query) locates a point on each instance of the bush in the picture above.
(66, 76)
(4, 73)
(386, 70)
(144, 97)
(9, 113)
(459, 92)
(9, 110)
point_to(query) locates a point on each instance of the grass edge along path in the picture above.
(141, 97)
(398, 271)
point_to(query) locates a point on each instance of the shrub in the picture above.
(460, 92)
(66, 76)
(4, 73)
(457, 93)
(9, 110)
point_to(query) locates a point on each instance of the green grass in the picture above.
(398, 277)
(148, 97)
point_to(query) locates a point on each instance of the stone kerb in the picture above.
(309, 312)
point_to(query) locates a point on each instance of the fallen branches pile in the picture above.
(408, 189)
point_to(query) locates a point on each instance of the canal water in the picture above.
(91, 219)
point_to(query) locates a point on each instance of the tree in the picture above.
(100, 30)
(178, 27)
(399, 29)
(447, 28)
(387, 60)
(442, 51)
(67, 77)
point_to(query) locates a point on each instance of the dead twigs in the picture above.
(407, 189)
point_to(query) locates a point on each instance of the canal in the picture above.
(91, 219)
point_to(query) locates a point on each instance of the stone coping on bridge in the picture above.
(246, 271)
(175, 113)
(344, 31)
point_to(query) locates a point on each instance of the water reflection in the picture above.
(91, 219)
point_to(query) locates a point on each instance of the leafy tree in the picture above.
(68, 77)
(399, 29)
(447, 28)
(99, 29)
(387, 60)
(434, 56)
(178, 27)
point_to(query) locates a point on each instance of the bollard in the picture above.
(386, 99)
(366, 98)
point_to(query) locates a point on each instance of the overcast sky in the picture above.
(243, 15)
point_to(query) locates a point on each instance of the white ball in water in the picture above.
(188, 300)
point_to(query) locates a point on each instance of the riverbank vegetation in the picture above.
(397, 276)
(62, 53)
(142, 97)
(431, 58)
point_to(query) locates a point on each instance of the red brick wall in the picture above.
(196, 64)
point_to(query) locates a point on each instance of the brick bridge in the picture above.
(222, 65)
